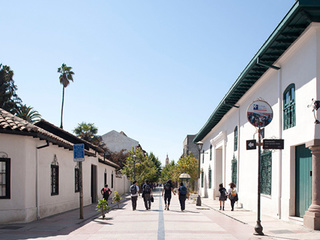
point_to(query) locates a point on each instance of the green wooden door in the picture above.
(303, 180)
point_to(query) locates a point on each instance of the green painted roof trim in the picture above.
(295, 22)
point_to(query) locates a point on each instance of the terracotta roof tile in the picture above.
(13, 124)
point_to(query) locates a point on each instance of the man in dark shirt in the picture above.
(183, 194)
(167, 189)
(147, 191)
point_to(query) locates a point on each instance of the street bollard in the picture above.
(198, 201)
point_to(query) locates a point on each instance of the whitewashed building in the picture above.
(38, 176)
(285, 72)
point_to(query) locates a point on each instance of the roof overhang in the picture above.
(289, 29)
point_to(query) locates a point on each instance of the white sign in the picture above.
(259, 113)
(78, 152)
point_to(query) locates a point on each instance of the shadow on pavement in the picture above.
(57, 225)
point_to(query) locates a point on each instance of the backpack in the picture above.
(223, 193)
(183, 190)
(167, 187)
(147, 188)
(133, 189)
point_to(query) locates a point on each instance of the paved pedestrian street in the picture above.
(205, 222)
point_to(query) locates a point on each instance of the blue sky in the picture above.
(153, 69)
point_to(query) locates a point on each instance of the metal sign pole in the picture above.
(259, 114)
(78, 156)
(81, 190)
(258, 228)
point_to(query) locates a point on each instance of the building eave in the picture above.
(291, 27)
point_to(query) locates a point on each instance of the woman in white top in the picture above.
(232, 193)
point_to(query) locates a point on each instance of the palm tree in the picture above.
(65, 77)
(88, 132)
(27, 113)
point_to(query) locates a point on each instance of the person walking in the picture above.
(233, 196)
(134, 190)
(106, 192)
(223, 196)
(167, 189)
(183, 194)
(147, 191)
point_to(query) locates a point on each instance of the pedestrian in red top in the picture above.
(106, 192)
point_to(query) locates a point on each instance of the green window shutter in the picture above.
(210, 152)
(289, 107)
(203, 156)
(210, 177)
(202, 178)
(266, 172)
(234, 165)
(236, 138)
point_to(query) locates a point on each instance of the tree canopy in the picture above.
(28, 113)
(9, 99)
(140, 166)
(88, 132)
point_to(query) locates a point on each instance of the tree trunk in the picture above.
(61, 125)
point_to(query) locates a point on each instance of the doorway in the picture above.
(303, 180)
(94, 196)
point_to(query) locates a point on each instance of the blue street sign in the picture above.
(78, 152)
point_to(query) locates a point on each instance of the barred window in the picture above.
(266, 172)
(105, 177)
(54, 176)
(289, 107)
(77, 179)
(4, 178)
(112, 180)
(54, 180)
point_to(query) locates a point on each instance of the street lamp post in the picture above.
(199, 145)
(134, 167)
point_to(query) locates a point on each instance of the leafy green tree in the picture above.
(27, 113)
(117, 157)
(65, 78)
(168, 172)
(117, 198)
(9, 99)
(88, 132)
(188, 164)
(140, 167)
(103, 207)
(157, 164)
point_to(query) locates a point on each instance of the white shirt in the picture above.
(229, 190)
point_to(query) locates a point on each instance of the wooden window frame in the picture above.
(6, 178)
(289, 107)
